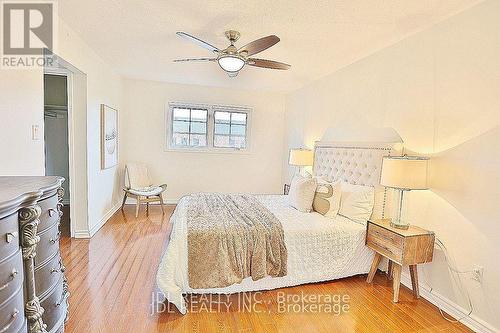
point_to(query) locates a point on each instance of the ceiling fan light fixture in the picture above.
(231, 63)
(231, 59)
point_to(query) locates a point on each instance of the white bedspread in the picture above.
(319, 249)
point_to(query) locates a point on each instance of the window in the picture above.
(230, 129)
(189, 127)
(207, 127)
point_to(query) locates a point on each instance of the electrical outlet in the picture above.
(477, 273)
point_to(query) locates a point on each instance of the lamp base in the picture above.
(398, 224)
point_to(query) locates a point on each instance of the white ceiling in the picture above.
(317, 37)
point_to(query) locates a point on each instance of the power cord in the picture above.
(458, 272)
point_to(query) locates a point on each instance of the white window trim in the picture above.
(210, 128)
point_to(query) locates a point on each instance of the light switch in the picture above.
(35, 132)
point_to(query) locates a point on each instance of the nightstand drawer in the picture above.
(387, 235)
(384, 247)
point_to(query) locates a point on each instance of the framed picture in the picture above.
(109, 137)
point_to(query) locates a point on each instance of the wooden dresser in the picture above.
(33, 288)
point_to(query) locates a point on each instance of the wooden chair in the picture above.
(138, 185)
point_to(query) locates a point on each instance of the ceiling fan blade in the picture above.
(195, 59)
(198, 41)
(259, 45)
(267, 64)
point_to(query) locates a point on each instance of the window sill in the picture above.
(210, 151)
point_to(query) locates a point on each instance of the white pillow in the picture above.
(301, 193)
(327, 198)
(356, 202)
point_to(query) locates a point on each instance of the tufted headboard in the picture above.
(359, 164)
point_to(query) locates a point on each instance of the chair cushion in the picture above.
(146, 191)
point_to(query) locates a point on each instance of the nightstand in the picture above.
(401, 247)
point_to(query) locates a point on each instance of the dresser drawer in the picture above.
(60, 329)
(384, 247)
(24, 328)
(55, 306)
(9, 235)
(386, 235)
(48, 244)
(47, 275)
(49, 214)
(12, 312)
(11, 275)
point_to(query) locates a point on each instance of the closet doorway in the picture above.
(56, 136)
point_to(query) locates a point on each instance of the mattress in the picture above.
(319, 249)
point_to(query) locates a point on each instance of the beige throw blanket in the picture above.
(231, 237)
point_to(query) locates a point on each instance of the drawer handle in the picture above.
(11, 277)
(54, 240)
(9, 237)
(52, 211)
(381, 235)
(12, 320)
(385, 248)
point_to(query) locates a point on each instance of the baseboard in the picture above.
(102, 221)
(81, 234)
(131, 201)
(172, 202)
(456, 311)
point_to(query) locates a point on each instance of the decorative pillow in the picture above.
(327, 198)
(301, 193)
(356, 202)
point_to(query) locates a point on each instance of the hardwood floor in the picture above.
(112, 284)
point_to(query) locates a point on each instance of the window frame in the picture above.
(190, 121)
(230, 134)
(211, 108)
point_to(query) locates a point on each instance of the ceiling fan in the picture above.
(231, 59)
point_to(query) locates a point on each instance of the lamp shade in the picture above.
(301, 157)
(408, 173)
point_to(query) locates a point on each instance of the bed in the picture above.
(319, 248)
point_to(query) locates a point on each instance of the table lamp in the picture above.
(301, 157)
(404, 173)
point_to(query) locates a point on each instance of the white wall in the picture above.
(21, 105)
(143, 132)
(440, 90)
(103, 86)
